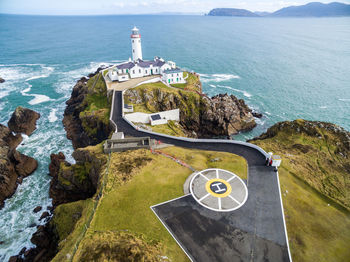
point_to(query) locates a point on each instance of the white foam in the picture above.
(52, 116)
(47, 70)
(212, 86)
(39, 99)
(36, 77)
(344, 99)
(217, 77)
(245, 93)
(267, 113)
(323, 107)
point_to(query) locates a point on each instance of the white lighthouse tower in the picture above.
(136, 44)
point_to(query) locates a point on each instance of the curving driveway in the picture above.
(255, 232)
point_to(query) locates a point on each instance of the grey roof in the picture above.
(141, 63)
(156, 62)
(155, 117)
(172, 71)
(127, 65)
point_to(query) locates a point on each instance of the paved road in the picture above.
(255, 232)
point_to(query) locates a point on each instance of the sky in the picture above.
(99, 7)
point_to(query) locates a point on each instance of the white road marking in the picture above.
(233, 177)
(204, 176)
(217, 173)
(200, 200)
(234, 199)
(219, 200)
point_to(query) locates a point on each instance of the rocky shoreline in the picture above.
(14, 166)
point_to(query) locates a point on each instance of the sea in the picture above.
(284, 68)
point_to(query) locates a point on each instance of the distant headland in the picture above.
(314, 9)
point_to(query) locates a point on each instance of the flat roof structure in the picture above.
(155, 117)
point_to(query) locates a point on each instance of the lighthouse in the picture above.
(136, 44)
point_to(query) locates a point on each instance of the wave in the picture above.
(18, 72)
(38, 99)
(213, 86)
(217, 77)
(36, 77)
(52, 116)
(323, 107)
(245, 93)
(344, 99)
(48, 70)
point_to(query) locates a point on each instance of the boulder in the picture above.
(37, 209)
(44, 215)
(14, 166)
(2, 80)
(23, 120)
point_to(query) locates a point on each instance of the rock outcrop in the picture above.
(23, 120)
(14, 166)
(86, 117)
(75, 182)
(2, 80)
(221, 115)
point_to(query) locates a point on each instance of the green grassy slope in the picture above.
(315, 188)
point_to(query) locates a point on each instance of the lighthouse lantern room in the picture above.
(136, 44)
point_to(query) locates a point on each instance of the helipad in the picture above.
(218, 190)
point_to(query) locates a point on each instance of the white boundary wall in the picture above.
(139, 117)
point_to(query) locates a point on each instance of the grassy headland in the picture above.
(315, 185)
(123, 219)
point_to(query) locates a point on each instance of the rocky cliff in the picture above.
(79, 181)
(86, 117)
(14, 166)
(221, 115)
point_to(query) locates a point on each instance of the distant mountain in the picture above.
(231, 12)
(315, 9)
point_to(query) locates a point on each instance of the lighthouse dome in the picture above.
(135, 31)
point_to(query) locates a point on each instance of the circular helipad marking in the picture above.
(218, 190)
(218, 187)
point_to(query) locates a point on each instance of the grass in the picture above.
(138, 180)
(314, 192)
(318, 230)
(172, 128)
(69, 222)
(192, 82)
(96, 106)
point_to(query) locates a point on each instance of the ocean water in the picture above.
(285, 68)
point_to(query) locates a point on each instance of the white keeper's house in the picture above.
(137, 67)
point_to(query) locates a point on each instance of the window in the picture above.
(146, 71)
(177, 74)
(133, 50)
(140, 71)
(133, 41)
(133, 71)
(139, 41)
(127, 70)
